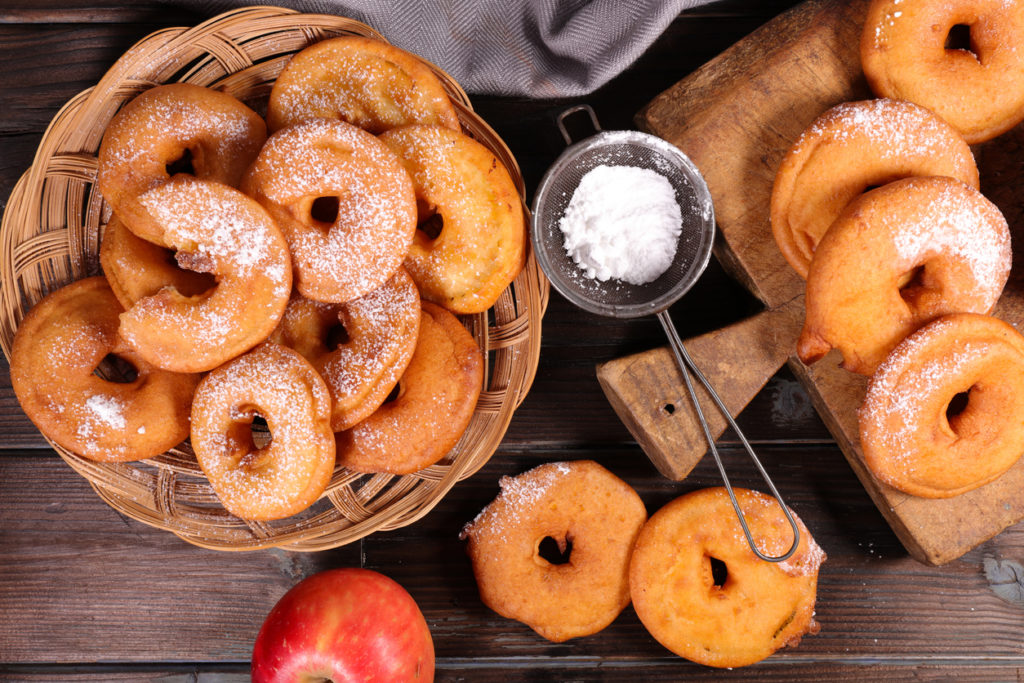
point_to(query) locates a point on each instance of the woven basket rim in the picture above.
(50, 233)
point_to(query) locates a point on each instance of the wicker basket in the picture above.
(50, 236)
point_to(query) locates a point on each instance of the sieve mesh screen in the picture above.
(615, 297)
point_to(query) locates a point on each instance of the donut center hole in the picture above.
(959, 38)
(261, 437)
(116, 369)
(719, 572)
(248, 436)
(183, 164)
(324, 210)
(956, 408)
(431, 226)
(912, 283)
(554, 552)
(337, 336)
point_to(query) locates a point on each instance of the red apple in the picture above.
(344, 625)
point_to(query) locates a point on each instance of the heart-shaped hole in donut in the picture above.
(324, 211)
(554, 552)
(959, 38)
(116, 369)
(183, 164)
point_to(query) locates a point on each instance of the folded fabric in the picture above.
(533, 48)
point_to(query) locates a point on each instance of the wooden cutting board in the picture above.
(736, 117)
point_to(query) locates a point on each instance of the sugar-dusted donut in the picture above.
(896, 258)
(909, 51)
(55, 354)
(217, 230)
(344, 202)
(437, 395)
(275, 479)
(587, 511)
(136, 268)
(700, 590)
(360, 348)
(911, 437)
(848, 149)
(463, 189)
(170, 129)
(365, 82)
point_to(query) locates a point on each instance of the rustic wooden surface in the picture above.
(736, 117)
(88, 595)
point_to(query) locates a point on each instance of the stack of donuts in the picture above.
(877, 205)
(310, 280)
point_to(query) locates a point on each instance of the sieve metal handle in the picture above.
(686, 366)
(569, 112)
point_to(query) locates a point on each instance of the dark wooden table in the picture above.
(86, 594)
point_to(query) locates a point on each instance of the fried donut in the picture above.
(587, 511)
(911, 437)
(136, 268)
(286, 475)
(169, 129)
(378, 337)
(218, 230)
(908, 51)
(896, 258)
(481, 245)
(700, 590)
(437, 395)
(362, 81)
(54, 359)
(349, 224)
(846, 150)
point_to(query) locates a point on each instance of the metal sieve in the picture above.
(618, 299)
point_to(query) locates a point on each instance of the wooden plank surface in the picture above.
(736, 117)
(88, 595)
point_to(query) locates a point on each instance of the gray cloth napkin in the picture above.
(533, 48)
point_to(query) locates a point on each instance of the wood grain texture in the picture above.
(648, 393)
(115, 576)
(167, 611)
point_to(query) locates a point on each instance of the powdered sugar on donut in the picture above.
(892, 405)
(276, 481)
(517, 498)
(376, 214)
(959, 222)
(893, 129)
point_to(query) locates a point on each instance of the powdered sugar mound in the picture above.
(622, 222)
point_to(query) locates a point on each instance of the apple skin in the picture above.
(344, 625)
